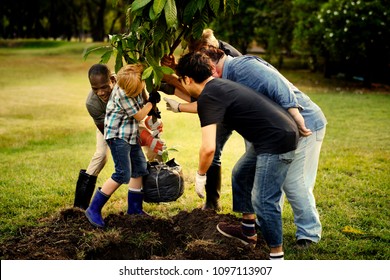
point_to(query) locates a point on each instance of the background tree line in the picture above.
(62, 19)
(334, 36)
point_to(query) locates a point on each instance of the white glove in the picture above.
(200, 184)
(172, 105)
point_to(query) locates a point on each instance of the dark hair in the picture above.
(195, 65)
(99, 69)
(214, 53)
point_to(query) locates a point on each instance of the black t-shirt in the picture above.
(255, 117)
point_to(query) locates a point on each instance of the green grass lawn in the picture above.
(47, 136)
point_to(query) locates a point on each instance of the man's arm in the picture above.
(183, 95)
(97, 114)
(189, 107)
(206, 154)
(300, 121)
(180, 91)
(207, 149)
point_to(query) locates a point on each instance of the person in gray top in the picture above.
(102, 82)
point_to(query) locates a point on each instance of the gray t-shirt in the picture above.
(96, 108)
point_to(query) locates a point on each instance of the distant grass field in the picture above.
(47, 136)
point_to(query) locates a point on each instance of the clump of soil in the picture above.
(186, 236)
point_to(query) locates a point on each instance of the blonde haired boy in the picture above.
(125, 109)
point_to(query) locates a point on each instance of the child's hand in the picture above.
(155, 126)
(155, 144)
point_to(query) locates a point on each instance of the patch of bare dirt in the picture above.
(186, 236)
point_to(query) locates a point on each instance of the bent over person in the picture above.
(261, 76)
(102, 82)
(258, 176)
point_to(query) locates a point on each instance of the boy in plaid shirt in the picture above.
(125, 109)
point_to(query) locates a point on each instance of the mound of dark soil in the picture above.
(185, 236)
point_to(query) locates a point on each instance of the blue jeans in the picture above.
(129, 160)
(223, 134)
(300, 183)
(257, 182)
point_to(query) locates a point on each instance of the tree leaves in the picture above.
(214, 5)
(170, 13)
(147, 72)
(158, 6)
(200, 24)
(189, 12)
(138, 4)
(156, 28)
(106, 56)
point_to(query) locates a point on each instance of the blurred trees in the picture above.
(307, 39)
(335, 36)
(61, 19)
(276, 28)
(355, 35)
(239, 28)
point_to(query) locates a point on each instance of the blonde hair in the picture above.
(207, 39)
(129, 78)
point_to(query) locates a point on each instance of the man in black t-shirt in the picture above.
(263, 167)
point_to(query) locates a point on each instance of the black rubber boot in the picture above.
(213, 188)
(84, 189)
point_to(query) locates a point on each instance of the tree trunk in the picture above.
(96, 10)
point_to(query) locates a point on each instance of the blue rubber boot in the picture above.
(134, 200)
(94, 211)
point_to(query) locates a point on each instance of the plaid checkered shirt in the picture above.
(119, 121)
